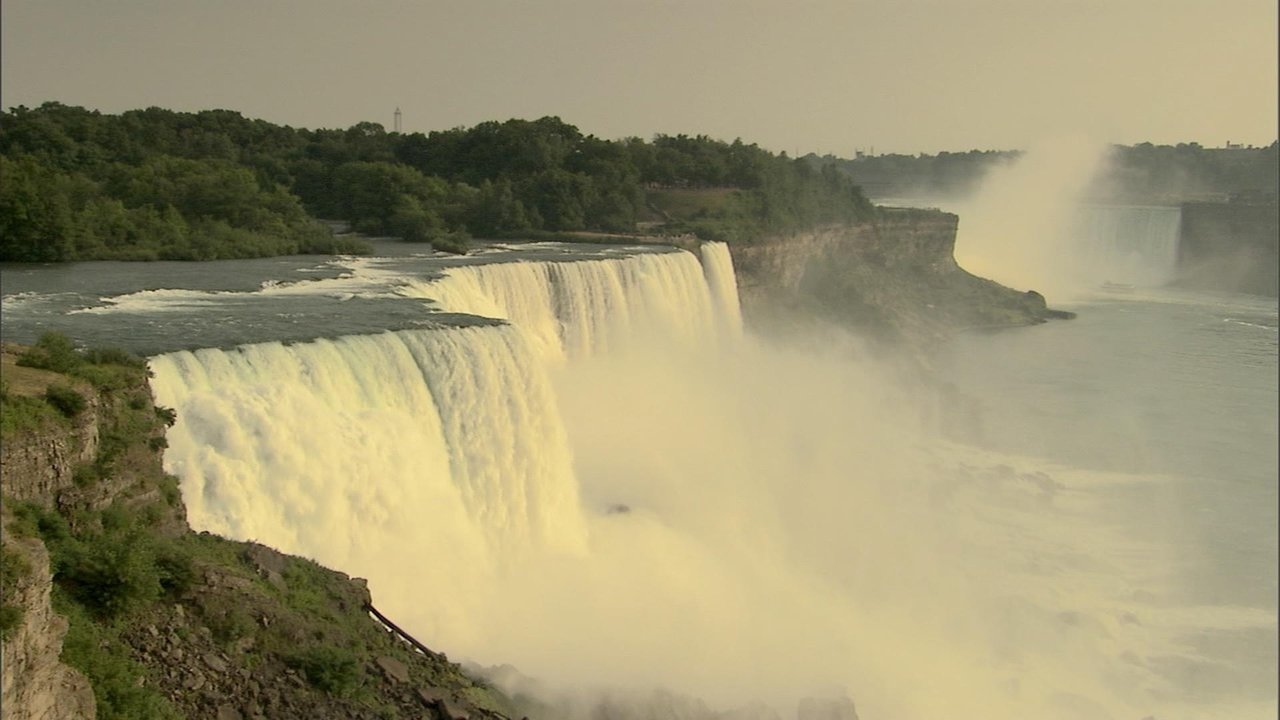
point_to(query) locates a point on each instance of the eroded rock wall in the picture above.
(34, 684)
(895, 278)
(1230, 246)
(39, 466)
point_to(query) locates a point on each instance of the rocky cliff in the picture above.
(894, 278)
(1231, 246)
(34, 683)
(40, 466)
(114, 608)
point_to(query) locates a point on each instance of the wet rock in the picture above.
(395, 670)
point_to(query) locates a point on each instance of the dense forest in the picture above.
(77, 184)
(946, 174)
(1143, 173)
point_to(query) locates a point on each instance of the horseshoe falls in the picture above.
(1030, 225)
(574, 470)
(1129, 245)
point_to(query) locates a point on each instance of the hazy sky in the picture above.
(827, 76)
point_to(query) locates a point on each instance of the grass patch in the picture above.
(10, 618)
(691, 203)
(13, 568)
(104, 368)
(334, 670)
(308, 592)
(20, 413)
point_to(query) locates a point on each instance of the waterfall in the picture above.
(614, 490)
(1134, 245)
(587, 307)
(286, 444)
(717, 264)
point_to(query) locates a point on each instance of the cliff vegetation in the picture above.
(114, 608)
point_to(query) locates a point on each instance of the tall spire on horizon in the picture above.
(397, 120)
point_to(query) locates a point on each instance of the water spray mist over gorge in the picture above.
(618, 491)
(572, 466)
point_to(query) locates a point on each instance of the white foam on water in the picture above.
(609, 497)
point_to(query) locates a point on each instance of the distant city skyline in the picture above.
(917, 76)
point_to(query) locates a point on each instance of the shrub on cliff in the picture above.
(104, 368)
(334, 670)
(111, 576)
(13, 567)
(53, 351)
(65, 399)
(10, 619)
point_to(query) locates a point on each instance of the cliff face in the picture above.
(1230, 246)
(34, 684)
(38, 466)
(895, 278)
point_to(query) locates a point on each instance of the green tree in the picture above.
(35, 215)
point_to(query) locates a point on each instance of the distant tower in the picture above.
(397, 122)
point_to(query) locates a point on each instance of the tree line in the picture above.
(1130, 173)
(152, 184)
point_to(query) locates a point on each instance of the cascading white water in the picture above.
(580, 308)
(308, 446)
(1133, 245)
(603, 495)
(287, 444)
(1030, 227)
(717, 264)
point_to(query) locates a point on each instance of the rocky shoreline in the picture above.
(894, 279)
